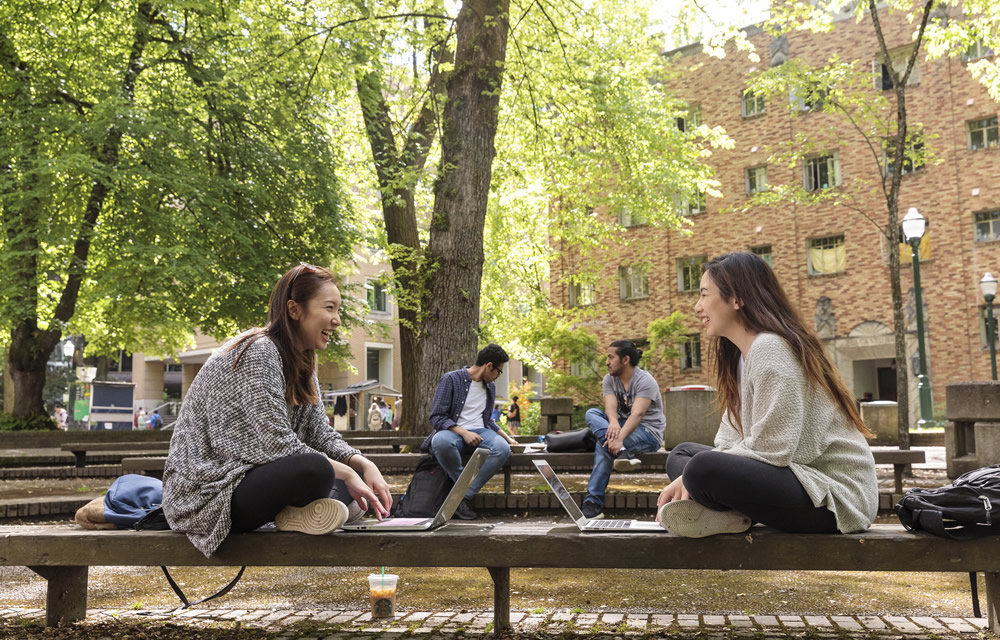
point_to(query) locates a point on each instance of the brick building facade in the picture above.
(830, 259)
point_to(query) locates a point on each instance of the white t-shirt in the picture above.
(475, 405)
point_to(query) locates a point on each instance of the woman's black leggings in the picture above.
(767, 494)
(265, 490)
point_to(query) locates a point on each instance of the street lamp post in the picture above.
(988, 285)
(914, 226)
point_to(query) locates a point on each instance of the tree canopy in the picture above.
(160, 165)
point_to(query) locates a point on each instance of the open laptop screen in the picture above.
(557, 488)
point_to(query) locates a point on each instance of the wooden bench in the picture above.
(522, 462)
(127, 449)
(62, 554)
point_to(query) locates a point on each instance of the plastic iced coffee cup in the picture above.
(383, 594)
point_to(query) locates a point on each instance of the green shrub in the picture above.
(36, 422)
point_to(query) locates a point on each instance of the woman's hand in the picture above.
(373, 478)
(363, 494)
(674, 491)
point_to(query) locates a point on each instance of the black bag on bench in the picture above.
(962, 510)
(580, 441)
(427, 491)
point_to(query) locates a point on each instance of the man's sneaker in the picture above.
(591, 511)
(689, 519)
(625, 462)
(316, 518)
(464, 510)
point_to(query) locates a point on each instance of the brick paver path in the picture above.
(557, 624)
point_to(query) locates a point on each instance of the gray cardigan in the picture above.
(787, 422)
(231, 422)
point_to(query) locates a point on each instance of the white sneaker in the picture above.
(689, 519)
(354, 512)
(316, 518)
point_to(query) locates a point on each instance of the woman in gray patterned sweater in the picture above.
(791, 451)
(253, 444)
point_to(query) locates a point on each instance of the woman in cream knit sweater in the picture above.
(791, 452)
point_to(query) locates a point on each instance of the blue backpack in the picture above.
(131, 499)
(134, 502)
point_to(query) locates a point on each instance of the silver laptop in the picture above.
(582, 523)
(444, 513)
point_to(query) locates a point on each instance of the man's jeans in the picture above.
(448, 447)
(639, 441)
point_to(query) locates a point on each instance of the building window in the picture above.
(752, 104)
(627, 218)
(913, 156)
(689, 273)
(755, 179)
(808, 97)
(976, 51)
(982, 133)
(692, 206)
(377, 300)
(582, 294)
(899, 58)
(633, 282)
(174, 368)
(827, 255)
(821, 172)
(988, 226)
(984, 341)
(764, 252)
(691, 353)
(372, 364)
(575, 370)
(690, 120)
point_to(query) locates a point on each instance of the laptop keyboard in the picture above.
(609, 524)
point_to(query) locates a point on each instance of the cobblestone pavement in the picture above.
(316, 624)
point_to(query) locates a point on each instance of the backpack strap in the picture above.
(180, 594)
(931, 521)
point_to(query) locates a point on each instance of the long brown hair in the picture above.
(765, 307)
(301, 284)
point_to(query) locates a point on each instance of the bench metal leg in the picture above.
(993, 600)
(66, 598)
(897, 477)
(81, 458)
(506, 480)
(501, 598)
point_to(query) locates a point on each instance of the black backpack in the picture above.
(427, 491)
(961, 510)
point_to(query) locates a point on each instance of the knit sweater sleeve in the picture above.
(773, 423)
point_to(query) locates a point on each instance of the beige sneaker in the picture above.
(354, 512)
(689, 519)
(316, 518)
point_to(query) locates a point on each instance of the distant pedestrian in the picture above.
(155, 420)
(374, 417)
(514, 416)
(60, 416)
(142, 422)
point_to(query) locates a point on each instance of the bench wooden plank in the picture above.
(498, 547)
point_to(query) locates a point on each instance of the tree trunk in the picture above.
(450, 327)
(892, 202)
(26, 360)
